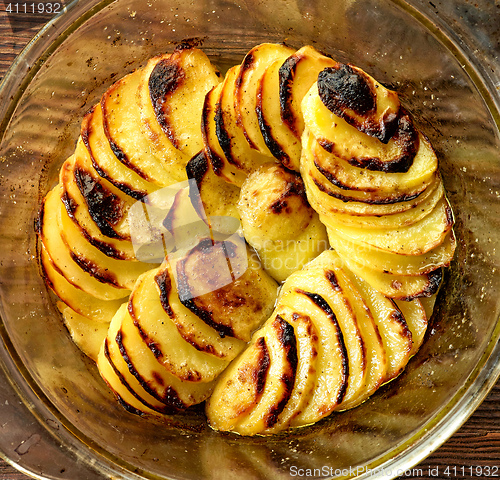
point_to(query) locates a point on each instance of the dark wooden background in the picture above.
(476, 444)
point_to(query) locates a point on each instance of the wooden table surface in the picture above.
(473, 452)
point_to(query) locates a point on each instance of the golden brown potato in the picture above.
(278, 221)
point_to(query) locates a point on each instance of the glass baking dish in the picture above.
(58, 419)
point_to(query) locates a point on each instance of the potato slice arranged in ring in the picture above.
(332, 371)
(350, 177)
(100, 214)
(389, 262)
(246, 87)
(416, 239)
(121, 273)
(171, 98)
(240, 159)
(420, 208)
(240, 386)
(124, 380)
(121, 115)
(86, 279)
(171, 350)
(87, 333)
(105, 161)
(154, 378)
(399, 287)
(307, 340)
(73, 297)
(280, 378)
(218, 198)
(323, 281)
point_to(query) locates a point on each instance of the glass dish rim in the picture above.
(408, 454)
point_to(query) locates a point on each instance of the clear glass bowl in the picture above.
(58, 419)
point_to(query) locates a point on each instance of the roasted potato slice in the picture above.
(279, 97)
(171, 97)
(332, 370)
(73, 297)
(325, 201)
(87, 333)
(416, 239)
(193, 329)
(280, 377)
(105, 161)
(416, 318)
(223, 283)
(278, 221)
(321, 276)
(86, 279)
(419, 208)
(246, 87)
(282, 142)
(350, 177)
(239, 159)
(240, 387)
(307, 340)
(121, 116)
(393, 263)
(120, 273)
(393, 328)
(124, 381)
(141, 360)
(399, 287)
(160, 334)
(326, 182)
(216, 196)
(99, 212)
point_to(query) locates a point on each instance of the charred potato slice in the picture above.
(73, 297)
(85, 277)
(281, 90)
(172, 96)
(247, 82)
(99, 212)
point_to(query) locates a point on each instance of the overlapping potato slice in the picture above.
(278, 221)
(88, 278)
(100, 213)
(105, 162)
(181, 358)
(215, 196)
(371, 110)
(171, 97)
(350, 177)
(320, 171)
(121, 117)
(389, 262)
(120, 273)
(279, 98)
(411, 211)
(246, 88)
(115, 365)
(399, 287)
(333, 336)
(239, 158)
(306, 336)
(77, 300)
